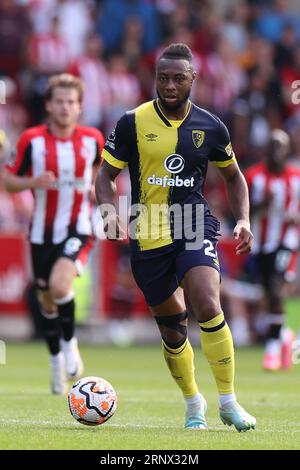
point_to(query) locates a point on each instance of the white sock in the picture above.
(225, 399)
(273, 347)
(56, 359)
(193, 403)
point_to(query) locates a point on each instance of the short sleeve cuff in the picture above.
(225, 163)
(113, 161)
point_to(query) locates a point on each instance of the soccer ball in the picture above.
(92, 401)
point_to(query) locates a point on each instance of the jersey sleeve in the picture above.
(20, 161)
(222, 155)
(117, 147)
(99, 147)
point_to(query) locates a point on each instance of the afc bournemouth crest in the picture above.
(198, 138)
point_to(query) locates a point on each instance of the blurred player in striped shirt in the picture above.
(274, 188)
(57, 161)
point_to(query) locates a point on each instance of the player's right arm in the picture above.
(15, 184)
(105, 188)
(257, 206)
(17, 173)
(115, 155)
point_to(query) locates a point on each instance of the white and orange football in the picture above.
(92, 401)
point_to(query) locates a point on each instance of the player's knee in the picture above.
(206, 310)
(59, 291)
(173, 329)
(49, 307)
(46, 302)
(276, 305)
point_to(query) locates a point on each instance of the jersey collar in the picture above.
(165, 120)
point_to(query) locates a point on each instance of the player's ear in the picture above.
(47, 106)
(193, 75)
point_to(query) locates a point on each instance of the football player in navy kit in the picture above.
(167, 144)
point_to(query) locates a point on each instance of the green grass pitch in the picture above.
(150, 411)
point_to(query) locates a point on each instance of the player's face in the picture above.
(174, 79)
(277, 154)
(64, 107)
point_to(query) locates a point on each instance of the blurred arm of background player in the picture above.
(14, 183)
(263, 206)
(92, 193)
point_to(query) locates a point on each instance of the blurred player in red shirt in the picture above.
(274, 188)
(57, 161)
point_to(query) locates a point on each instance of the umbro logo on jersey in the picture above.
(151, 137)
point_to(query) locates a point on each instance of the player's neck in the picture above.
(276, 169)
(178, 114)
(61, 132)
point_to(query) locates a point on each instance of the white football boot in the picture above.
(195, 418)
(58, 374)
(233, 413)
(73, 361)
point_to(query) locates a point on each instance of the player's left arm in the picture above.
(100, 141)
(238, 197)
(222, 156)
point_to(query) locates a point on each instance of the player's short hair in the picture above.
(64, 80)
(177, 51)
(281, 136)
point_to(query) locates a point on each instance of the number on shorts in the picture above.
(209, 250)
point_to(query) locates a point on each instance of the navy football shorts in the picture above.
(161, 274)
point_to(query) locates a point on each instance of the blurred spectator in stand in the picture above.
(92, 70)
(207, 26)
(41, 13)
(75, 23)
(164, 10)
(48, 53)
(132, 41)
(273, 20)
(235, 27)
(113, 17)
(289, 74)
(294, 130)
(180, 18)
(224, 77)
(8, 222)
(14, 29)
(15, 210)
(13, 115)
(255, 111)
(284, 48)
(125, 91)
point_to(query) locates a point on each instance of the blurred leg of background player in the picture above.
(276, 270)
(61, 281)
(58, 306)
(58, 318)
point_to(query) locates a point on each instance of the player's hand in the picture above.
(292, 218)
(113, 229)
(92, 195)
(243, 234)
(44, 180)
